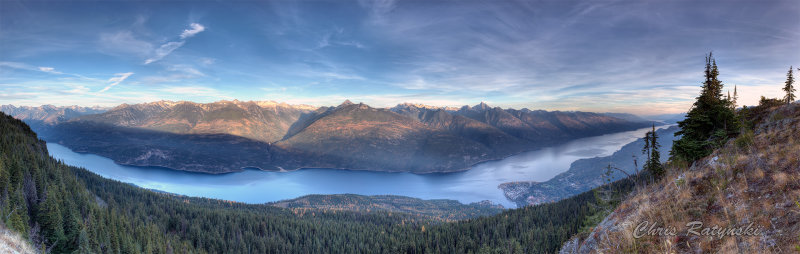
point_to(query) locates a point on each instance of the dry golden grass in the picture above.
(758, 184)
(11, 242)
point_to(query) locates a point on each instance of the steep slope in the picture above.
(440, 118)
(501, 120)
(626, 117)
(205, 153)
(262, 121)
(356, 136)
(547, 127)
(12, 243)
(743, 198)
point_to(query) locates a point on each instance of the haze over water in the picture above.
(253, 186)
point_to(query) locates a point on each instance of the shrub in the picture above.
(744, 140)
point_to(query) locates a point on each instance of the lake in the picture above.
(255, 186)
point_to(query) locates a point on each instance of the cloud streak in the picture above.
(194, 29)
(116, 80)
(28, 67)
(167, 48)
(164, 50)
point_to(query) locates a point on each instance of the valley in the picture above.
(228, 136)
(397, 126)
(255, 186)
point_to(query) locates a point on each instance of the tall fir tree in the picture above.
(709, 122)
(653, 163)
(789, 87)
(52, 219)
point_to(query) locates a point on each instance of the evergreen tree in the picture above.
(52, 223)
(83, 242)
(651, 145)
(654, 164)
(709, 122)
(789, 88)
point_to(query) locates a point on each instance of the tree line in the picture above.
(64, 209)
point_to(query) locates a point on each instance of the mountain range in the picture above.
(43, 117)
(228, 136)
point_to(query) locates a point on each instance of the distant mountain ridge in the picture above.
(48, 113)
(262, 121)
(43, 118)
(405, 138)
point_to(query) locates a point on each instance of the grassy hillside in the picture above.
(11, 242)
(751, 181)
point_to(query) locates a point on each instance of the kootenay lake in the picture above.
(255, 186)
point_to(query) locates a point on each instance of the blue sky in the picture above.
(642, 57)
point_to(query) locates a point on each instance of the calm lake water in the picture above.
(253, 186)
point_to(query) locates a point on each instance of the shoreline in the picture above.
(283, 170)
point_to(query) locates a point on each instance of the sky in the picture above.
(642, 57)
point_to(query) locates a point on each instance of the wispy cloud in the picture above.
(610, 55)
(378, 9)
(17, 96)
(186, 69)
(167, 48)
(43, 69)
(28, 67)
(335, 38)
(164, 50)
(50, 70)
(194, 29)
(116, 80)
(334, 75)
(124, 43)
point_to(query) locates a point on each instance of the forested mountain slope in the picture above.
(66, 209)
(439, 209)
